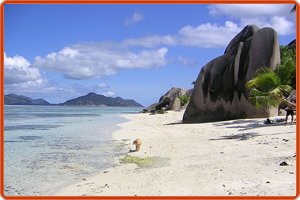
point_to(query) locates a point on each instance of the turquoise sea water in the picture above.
(47, 147)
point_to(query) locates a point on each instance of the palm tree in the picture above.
(266, 88)
(269, 87)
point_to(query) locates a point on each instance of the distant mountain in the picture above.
(13, 99)
(93, 99)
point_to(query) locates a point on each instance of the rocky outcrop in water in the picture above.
(219, 91)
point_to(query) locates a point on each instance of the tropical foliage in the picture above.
(269, 87)
(287, 68)
(184, 99)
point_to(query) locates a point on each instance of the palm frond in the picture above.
(267, 87)
(262, 70)
(250, 83)
(285, 90)
(260, 99)
(266, 80)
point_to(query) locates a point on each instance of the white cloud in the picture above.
(136, 17)
(70, 52)
(109, 94)
(93, 60)
(282, 25)
(209, 35)
(276, 16)
(152, 41)
(102, 85)
(239, 11)
(50, 91)
(18, 70)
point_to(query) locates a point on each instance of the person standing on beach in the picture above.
(290, 111)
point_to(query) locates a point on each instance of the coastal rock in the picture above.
(167, 101)
(173, 93)
(189, 93)
(149, 109)
(158, 112)
(219, 92)
(292, 44)
(175, 104)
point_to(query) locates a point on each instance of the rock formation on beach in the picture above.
(219, 92)
(169, 101)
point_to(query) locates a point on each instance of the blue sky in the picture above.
(135, 51)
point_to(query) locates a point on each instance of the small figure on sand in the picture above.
(290, 111)
(138, 144)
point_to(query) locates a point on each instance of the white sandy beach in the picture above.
(238, 158)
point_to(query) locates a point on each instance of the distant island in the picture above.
(91, 99)
(13, 99)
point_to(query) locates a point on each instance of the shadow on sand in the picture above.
(242, 136)
(246, 125)
(173, 123)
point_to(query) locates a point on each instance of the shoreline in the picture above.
(238, 158)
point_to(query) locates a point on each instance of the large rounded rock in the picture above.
(167, 101)
(175, 104)
(219, 92)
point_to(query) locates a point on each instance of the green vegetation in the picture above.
(184, 100)
(148, 162)
(287, 68)
(269, 87)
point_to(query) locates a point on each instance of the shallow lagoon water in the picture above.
(47, 147)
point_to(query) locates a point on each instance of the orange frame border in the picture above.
(145, 2)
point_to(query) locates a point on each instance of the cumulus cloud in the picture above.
(102, 85)
(41, 87)
(109, 94)
(92, 60)
(276, 16)
(18, 70)
(22, 78)
(152, 41)
(135, 18)
(282, 25)
(250, 10)
(208, 35)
